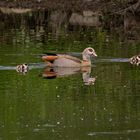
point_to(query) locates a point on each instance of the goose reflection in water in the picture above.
(54, 72)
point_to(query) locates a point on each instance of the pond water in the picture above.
(33, 106)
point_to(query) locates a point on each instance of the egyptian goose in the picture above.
(22, 68)
(63, 60)
(135, 60)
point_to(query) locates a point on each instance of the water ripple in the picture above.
(42, 64)
(114, 133)
(120, 60)
(31, 66)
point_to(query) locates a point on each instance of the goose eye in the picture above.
(90, 50)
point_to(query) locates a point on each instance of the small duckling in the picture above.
(22, 68)
(135, 60)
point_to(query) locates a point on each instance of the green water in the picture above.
(33, 107)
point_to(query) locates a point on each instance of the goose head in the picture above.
(88, 52)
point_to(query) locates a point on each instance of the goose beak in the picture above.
(94, 54)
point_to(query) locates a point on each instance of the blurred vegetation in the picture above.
(121, 16)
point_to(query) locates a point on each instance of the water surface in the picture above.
(64, 107)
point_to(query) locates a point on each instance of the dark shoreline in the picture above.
(106, 14)
(74, 5)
